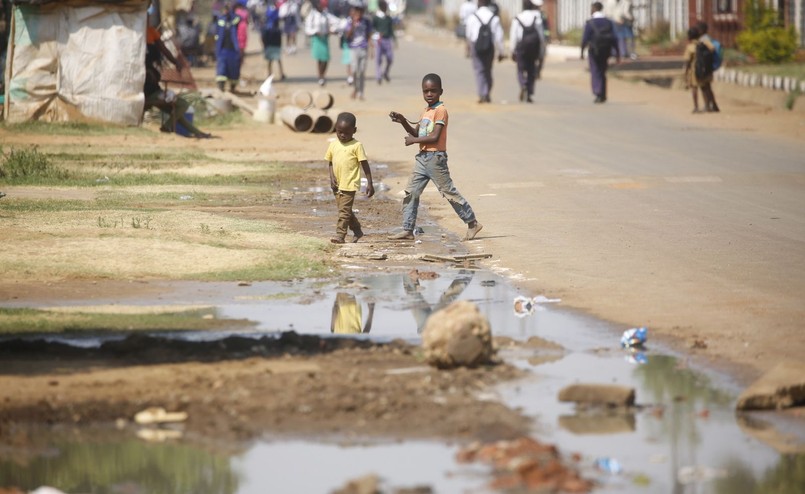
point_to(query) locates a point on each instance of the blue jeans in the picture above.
(432, 165)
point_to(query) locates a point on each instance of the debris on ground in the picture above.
(416, 275)
(526, 465)
(466, 261)
(634, 338)
(697, 473)
(158, 415)
(781, 387)
(524, 306)
(598, 394)
(458, 336)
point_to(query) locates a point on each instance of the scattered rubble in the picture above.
(781, 387)
(598, 394)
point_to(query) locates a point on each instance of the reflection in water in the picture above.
(347, 315)
(122, 465)
(421, 309)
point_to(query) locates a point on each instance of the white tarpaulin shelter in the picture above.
(74, 60)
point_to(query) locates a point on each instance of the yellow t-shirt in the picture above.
(347, 316)
(346, 159)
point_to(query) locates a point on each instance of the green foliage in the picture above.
(20, 165)
(572, 37)
(764, 38)
(656, 34)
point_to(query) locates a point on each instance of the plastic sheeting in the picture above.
(78, 61)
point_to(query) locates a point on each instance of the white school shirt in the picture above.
(527, 18)
(467, 9)
(474, 26)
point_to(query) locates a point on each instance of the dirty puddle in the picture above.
(684, 436)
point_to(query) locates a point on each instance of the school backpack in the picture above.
(704, 61)
(529, 45)
(484, 44)
(718, 54)
(603, 40)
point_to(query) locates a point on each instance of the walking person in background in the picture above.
(271, 35)
(527, 42)
(290, 17)
(599, 35)
(227, 49)
(243, 28)
(358, 31)
(698, 70)
(485, 37)
(385, 38)
(464, 12)
(624, 20)
(318, 25)
(430, 134)
(546, 37)
(707, 88)
(346, 157)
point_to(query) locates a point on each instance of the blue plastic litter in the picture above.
(635, 337)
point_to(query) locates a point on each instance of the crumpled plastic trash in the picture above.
(609, 465)
(698, 473)
(524, 306)
(637, 358)
(634, 338)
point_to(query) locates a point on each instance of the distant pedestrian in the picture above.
(243, 28)
(430, 133)
(467, 9)
(485, 37)
(546, 37)
(527, 42)
(346, 157)
(290, 17)
(358, 31)
(599, 35)
(271, 35)
(227, 48)
(695, 77)
(707, 86)
(385, 39)
(319, 24)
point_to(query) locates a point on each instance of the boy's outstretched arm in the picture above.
(400, 119)
(370, 188)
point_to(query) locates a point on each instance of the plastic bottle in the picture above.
(609, 465)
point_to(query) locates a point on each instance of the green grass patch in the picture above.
(18, 321)
(24, 164)
(164, 159)
(222, 121)
(73, 128)
(300, 263)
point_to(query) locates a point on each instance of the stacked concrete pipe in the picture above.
(310, 112)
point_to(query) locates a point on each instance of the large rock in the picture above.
(598, 394)
(458, 335)
(781, 387)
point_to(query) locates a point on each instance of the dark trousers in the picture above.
(598, 75)
(482, 66)
(344, 200)
(526, 73)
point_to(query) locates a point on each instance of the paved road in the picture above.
(623, 209)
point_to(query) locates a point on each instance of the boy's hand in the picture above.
(396, 117)
(409, 139)
(370, 189)
(334, 185)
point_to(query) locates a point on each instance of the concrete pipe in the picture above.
(296, 118)
(323, 100)
(322, 122)
(302, 99)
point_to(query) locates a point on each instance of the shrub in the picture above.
(657, 33)
(27, 163)
(764, 38)
(770, 45)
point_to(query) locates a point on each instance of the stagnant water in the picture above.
(685, 439)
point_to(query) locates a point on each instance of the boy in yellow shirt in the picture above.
(346, 157)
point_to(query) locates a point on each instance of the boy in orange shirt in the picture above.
(431, 162)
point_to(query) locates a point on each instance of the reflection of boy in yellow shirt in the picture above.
(346, 157)
(347, 315)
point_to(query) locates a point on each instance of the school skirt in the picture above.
(320, 48)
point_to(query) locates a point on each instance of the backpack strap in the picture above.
(482, 22)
